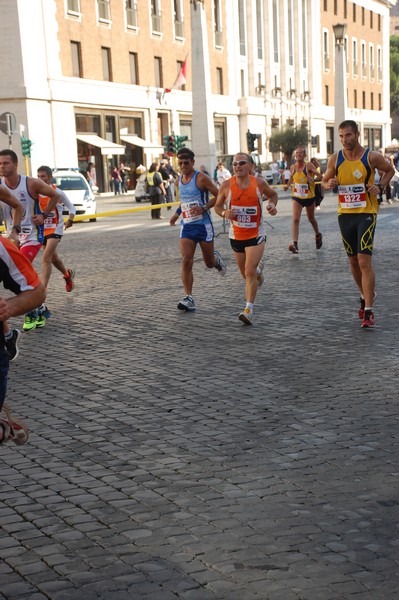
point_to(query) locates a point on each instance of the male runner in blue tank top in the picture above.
(352, 170)
(197, 228)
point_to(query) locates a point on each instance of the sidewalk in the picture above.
(189, 456)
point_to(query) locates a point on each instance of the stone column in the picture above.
(203, 131)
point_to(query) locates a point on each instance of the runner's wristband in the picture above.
(178, 211)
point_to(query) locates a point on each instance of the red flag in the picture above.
(180, 79)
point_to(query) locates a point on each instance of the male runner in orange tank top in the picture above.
(240, 200)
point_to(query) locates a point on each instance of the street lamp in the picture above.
(339, 33)
(340, 95)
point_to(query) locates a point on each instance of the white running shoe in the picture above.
(246, 316)
(186, 304)
(220, 264)
(260, 277)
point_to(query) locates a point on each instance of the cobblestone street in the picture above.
(189, 456)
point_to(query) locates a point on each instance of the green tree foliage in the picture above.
(394, 73)
(286, 140)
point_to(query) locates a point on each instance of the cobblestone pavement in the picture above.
(189, 456)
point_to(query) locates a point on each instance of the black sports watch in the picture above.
(17, 228)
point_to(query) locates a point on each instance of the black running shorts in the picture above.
(240, 245)
(357, 232)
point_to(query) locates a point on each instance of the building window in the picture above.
(345, 9)
(104, 11)
(88, 124)
(76, 54)
(275, 32)
(335, 7)
(186, 129)
(130, 125)
(241, 27)
(379, 22)
(134, 68)
(326, 53)
(156, 21)
(107, 65)
(379, 102)
(217, 15)
(131, 13)
(363, 100)
(354, 13)
(259, 30)
(363, 15)
(327, 95)
(158, 71)
(354, 98)
(110, 129)
(363, 57)
(73, 6)
(219, 80)
(354, 58)
(220, 138)
(371, 55)
(178, 18)
(325, 5)
(379, 63)
(329, 140)
(372, 101)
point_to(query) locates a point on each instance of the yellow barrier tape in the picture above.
(111, 213)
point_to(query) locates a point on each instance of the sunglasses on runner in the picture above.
(240, 163)
(183, 162)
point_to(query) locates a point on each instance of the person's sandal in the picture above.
(19, 432)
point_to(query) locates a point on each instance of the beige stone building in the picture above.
(91, 86)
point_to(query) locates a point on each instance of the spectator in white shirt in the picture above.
(222, 174)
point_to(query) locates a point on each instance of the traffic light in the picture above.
(26, 146)
(165, 140)
(171, 144)
(251, 137)
(180, 139)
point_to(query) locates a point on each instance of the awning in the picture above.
(135, 140)
(99, 142)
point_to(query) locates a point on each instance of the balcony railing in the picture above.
(156, 23)
(355, 68)
(372, 72)
(179, 29)
(131, 17)
(379, 74)
(364, 69)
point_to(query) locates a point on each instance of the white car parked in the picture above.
(78, 191)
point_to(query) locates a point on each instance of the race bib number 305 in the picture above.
(245, 216)
(352, 196)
